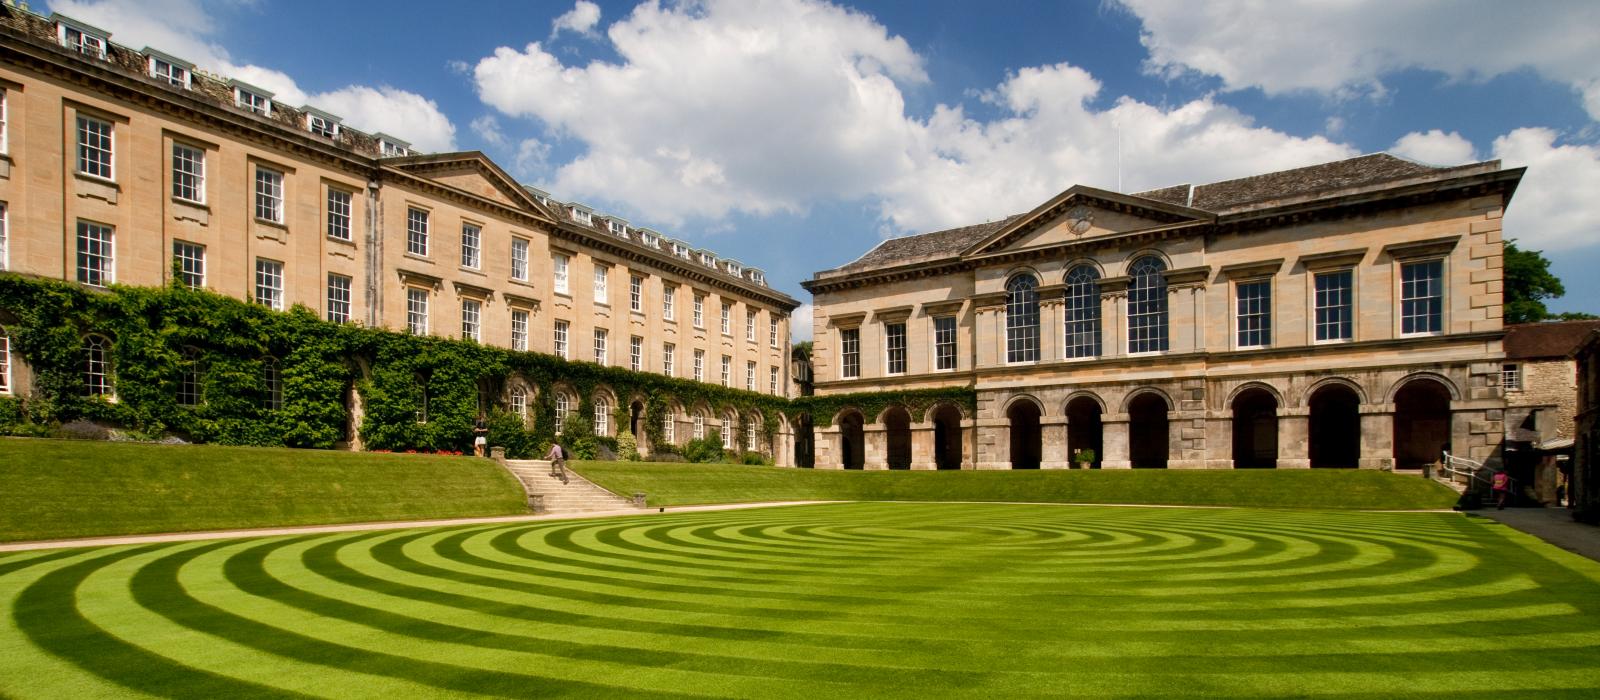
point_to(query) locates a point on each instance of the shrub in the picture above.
(707, 450)
(507, 430)
(627, 449)
(754, 459)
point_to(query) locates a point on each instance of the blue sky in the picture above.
(793, 135)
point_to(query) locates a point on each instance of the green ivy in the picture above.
(824, 409)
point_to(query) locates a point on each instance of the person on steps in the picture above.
(1501, 486)
(558, 461)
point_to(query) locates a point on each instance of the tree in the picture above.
(1528, 282)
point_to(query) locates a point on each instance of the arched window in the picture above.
(190, 380)
(97, 366)
(1082, 312)
(272, 381)
(563, 409)
(699, 427)
(727, 431)
(5, 360)
(519, 403)
(1022, 319)
(602, 416)
(751, 437)
(669, 427)
(1147, 305)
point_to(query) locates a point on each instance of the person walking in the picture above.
(1501, 485)
(558, 461)
(480, 436)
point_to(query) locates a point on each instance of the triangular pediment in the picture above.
(470, 172)
(1081, 213)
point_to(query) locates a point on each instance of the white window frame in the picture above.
(191, 259)
(5, 121)
(635, 353)
(1316, 307)
(96, 263)
(471, 245)
(750, 325)
(699, 311)
(86, 40)
(1444, 296)
(563, 410)
(252, 101)
(188, 173)
(1511, 376)
(340, 210)
(772, 331)
(418, 223)
(416, 311)
(519, 330)
(322, 126)
(669, 303)
(560, 264)
(269, 283)
(602, 417)
(698, 432)
(1240, 316)
(727, 370)
(669, 353)
(269, 195)
(669, 427)
(699, 365)
(175, 75)
(772, 380)
(636, 293)
(727, 318)
(98, 369)
(749, 375)
(850, 353)
(602, 346)
(5, 361)
(94, 159)
(602, 284)
(559, 336)
(5, 236)
(339, 297)
(519, 259)
(752, 435)
(472, 320)
(940, 343)
(726, 430)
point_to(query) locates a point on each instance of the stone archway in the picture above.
(1421, 423)
(1255, 429)
(1084, 430)
(947, 437)
(897, 436)
(1148, 431)
(1026, 439)
(804, 442)
(852, 440)
(1335, 430)
(636, 423)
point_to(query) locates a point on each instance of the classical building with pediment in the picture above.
(1339, 315)
(132, 166)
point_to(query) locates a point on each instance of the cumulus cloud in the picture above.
(186, 29)
(1554, 208)
(488, 129)
(800, 324)
(1347, 48)
(1435, 147)
(767, 106)
(581, 19)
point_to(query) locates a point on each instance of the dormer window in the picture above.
(321, 123)
(708, 259)
(680, 250)
(391, 147)
(758, 278)
(252, 99)
(169, 70)
(81, 38)
(734, 268)
(580, 214)
(617, 227)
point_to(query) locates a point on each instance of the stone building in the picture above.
(1584, 490)
(1339, 315)
(1540, 381)
(132, 166)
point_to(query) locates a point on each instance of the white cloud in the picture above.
(488, 129)
(766, 106)
(1555, 207)
(533, 160)
(1434, 147)
(1349, 47)
(185, 29)
(581, 19)
(800, 324)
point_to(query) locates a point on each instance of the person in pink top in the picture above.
(1501, 484)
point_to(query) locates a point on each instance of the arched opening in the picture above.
(1084, 433)
(852, 442)
(1022, 319)
(947, 437)
(804, 442)
(1421, 423)
(1335, 432)
(897, 431)
(1026, 448)
(1147, 431)
(1255, 429)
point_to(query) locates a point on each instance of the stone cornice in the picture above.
(1326, 261)
(1421, 249)
(473, 290)
(415, 278)
(1260, 268)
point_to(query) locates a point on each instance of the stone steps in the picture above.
(578, 495)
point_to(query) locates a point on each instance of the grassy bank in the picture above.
(55, 488)
(687, 484)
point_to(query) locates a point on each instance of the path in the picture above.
(1553, 525)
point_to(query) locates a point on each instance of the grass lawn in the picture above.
(686, 484)
(865, 600)
(62, 488)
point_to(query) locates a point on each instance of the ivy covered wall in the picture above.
(419, 393)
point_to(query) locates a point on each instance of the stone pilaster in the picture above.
(1377, 437)
(922, 447)
(1114, 438)
(1294, 438)
(876, 452)
(1053, 434)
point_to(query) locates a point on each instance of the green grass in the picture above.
(668, 484)
(852, 600)
(56, 488)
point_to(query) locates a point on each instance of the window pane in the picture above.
(1254, 313)
(191, 263)
(1422, 297)
(339, 214)
(944, 342)
(470, 240)
(1022, 319)
(338, 298)
(95, 254)
(417, 232)
(94, 147)
(188, 173)
(1147, 306)
(1335, 305)
(850, 352)
(895, 344)
(1082, 312)
(269, 195)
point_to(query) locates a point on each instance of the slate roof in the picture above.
(1528, 341)
(1228, 196)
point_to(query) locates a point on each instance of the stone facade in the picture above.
(1584, 491)
(347, 209)
(1381, 391)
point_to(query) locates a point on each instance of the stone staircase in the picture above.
(578, 495)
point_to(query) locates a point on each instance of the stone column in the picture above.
(969, 444)
(922, 448)
(993, 443)
(1114, 438)
(876, 451)
(1186, 440)
(1294, 438)
(783, 446)
(1377, 437)
(1219, 443)
(1053, 436)
(827, 448)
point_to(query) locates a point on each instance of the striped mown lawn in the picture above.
(874, 600)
